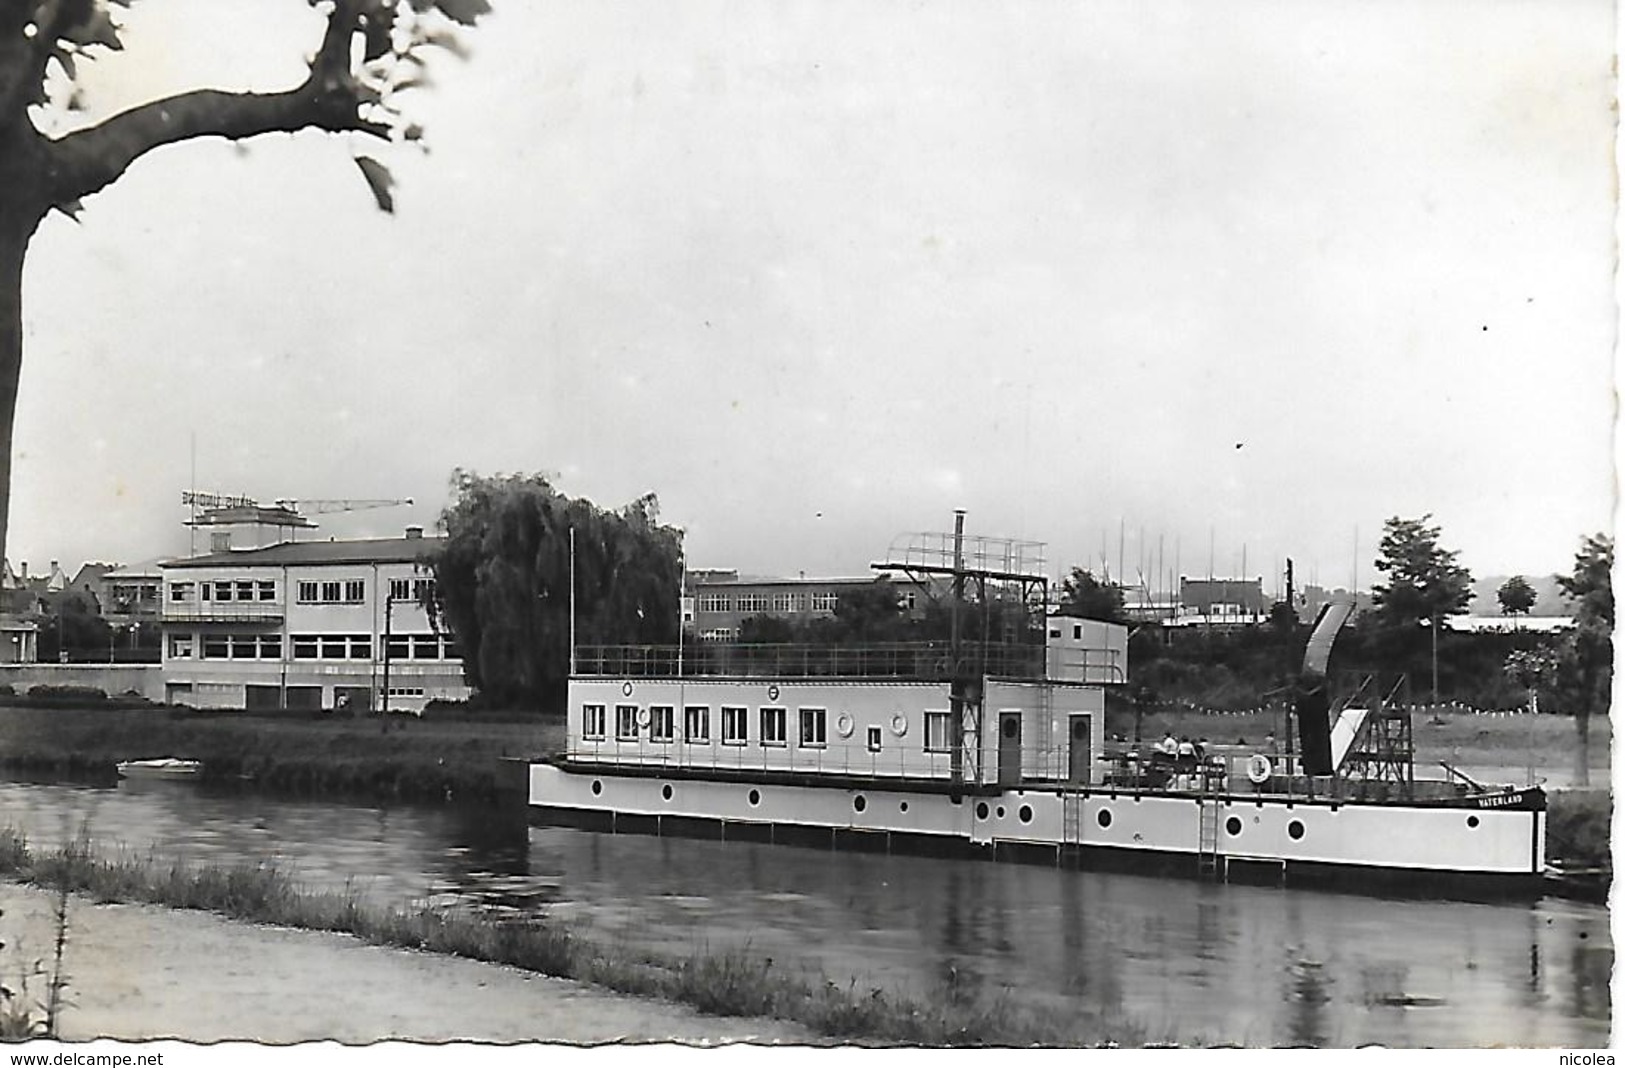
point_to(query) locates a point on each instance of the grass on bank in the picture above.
(732, 982)
(393, 757)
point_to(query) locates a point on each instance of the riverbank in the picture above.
(724, 984)
(393, 757)
(142, 972)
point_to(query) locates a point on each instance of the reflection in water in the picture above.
(1255, 965)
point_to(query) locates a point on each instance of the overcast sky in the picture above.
(1244, 274)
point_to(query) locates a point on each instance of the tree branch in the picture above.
(87, 161)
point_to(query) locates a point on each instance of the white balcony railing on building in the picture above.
(223, 612)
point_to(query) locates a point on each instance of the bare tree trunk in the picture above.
(14, 235)
(1582, 726)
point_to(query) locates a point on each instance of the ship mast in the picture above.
(1016, 564)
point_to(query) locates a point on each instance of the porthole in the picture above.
(597, 787)
(1294, 830)
(755, 797)
(1232, 826)
(902, 806)
(859, 804)
(981, 810)
(1472, 821)
(1001, 812)
(665, 791)
(1104, 817)
(1025, 814)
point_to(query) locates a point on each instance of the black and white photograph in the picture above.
(768, 527)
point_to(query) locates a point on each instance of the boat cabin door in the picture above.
(1079, 751)
(1009, 748)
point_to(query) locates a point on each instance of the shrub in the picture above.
(1577, 827)
(67, 692)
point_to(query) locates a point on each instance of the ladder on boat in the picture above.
(1071, 825)
(1208, 864)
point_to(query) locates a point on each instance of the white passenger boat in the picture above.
(161, 768)
(1000, 751)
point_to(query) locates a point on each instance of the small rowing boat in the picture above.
(161, 768)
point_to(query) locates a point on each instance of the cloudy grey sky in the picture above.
(1244, 273)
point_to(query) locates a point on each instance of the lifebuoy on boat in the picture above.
(643, 717)
(899, 724)
(1258, 769)
(843, 725)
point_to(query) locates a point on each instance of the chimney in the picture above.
(413, 533)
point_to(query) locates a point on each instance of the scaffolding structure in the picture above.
(1381, 761)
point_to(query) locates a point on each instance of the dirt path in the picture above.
(142, 972)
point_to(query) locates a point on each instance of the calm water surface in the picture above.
(1187, 961)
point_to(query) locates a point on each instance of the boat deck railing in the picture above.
(835, 759)
(881, 660)
(1224, 769)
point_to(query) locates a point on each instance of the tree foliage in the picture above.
(1517, 597)
(368, 52)
(1084, 595)
(1585, 668)
(1424, 580)
(502, 581)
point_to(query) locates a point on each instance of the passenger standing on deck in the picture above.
(1187, 754)
(1168, 745)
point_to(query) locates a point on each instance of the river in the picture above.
(1186, 961)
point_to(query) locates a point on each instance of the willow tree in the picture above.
(366, 53)
(502, 581)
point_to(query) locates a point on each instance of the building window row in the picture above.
(422, 647)
(332, 591)
(223, 591)
(660, 723)
(332, 646)
(311, 647)
(787, 603)
(411, 589)
(227, 646)
(719, 634)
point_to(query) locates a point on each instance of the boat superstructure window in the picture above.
(626, 723)
(733, 725)
(773, 726)
(697, 724)
(936, 732)
(592, 722)
(812, 728)
(874, 739)
(661, 724)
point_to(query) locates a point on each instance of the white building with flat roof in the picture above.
(308, 625)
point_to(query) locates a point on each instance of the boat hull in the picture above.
(160, 769)
(1425, 847)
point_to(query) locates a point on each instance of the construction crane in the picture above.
(323, 505)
